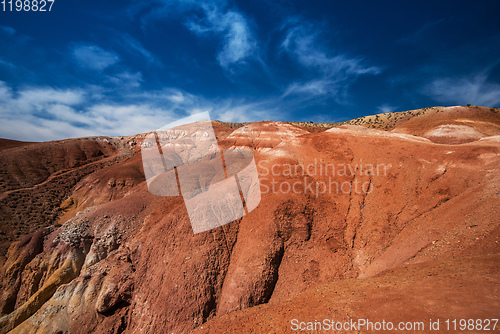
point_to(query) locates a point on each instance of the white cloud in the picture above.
(170, 97)
(5, 92)
(238, 41)
(129, 119)
(40, 97)
(213, 18)
(35, 100)
(475, 90)
(386, 108)
(242, 111)
(177, 97)
(302, 43)
(228, 110)
(45, 113)
(335, 72)
(126, 79)
(313, 88)
(35, 129)
(93, 57)
(134, 46)
(40, 114)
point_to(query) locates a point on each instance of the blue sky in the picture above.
(125, 67)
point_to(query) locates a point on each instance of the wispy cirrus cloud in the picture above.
(473, 89)
(215, 18)
(125, 79)
(334, 71)
(421, 34)
(93, 57)
(238, 43)
(313, 88)
(302, 42)
(9, 31)
(7, 64)
(132, 45)
(14, 38)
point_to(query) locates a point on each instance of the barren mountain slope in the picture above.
(380, 224)
(35, 178)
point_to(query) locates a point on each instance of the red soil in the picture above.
(422, 244)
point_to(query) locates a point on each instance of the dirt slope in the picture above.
(354, 222)
(36, 178)
(8, 143)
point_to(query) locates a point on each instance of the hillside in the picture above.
(414, 237)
